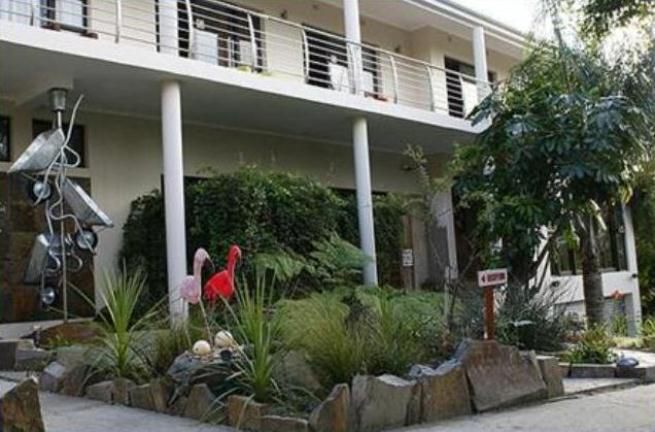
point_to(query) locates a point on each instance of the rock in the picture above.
(552, 375)
(332, 415)
(121, 390)
(71, 356)
(444, 392)
(414, 406)
(295, 371)
(141, 397)
(245, 413)
(20, 409)
(161, 394)
(200, 403)
(74, 380)
(52, 378)
(498, 375)
(31, 359)
(178, 407)
(380, 402)
(284, 424)
(8, 353)
(592, 371)
(102, 391)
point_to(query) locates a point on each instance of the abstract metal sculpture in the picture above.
(45, 164)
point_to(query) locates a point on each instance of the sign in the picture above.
(408, 258)
(489, 278)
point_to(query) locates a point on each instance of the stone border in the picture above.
(586, 370)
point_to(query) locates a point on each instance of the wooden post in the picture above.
(489, 314)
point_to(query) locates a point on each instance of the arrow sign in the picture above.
(493, 277)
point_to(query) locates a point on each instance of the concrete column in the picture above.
(364, 198)
(354, 36)
(480, 58)
(444, 235)
(168, 27)
(171, 127)
(633, 301)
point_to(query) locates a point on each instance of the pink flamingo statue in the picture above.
(190, 289)
(221, 285)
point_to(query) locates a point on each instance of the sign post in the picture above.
(488, 280)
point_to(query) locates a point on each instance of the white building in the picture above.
(331, 88)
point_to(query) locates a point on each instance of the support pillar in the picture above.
(480, 58)
(364, 198)
(171, 121)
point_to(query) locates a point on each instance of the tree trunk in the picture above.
(591, 277)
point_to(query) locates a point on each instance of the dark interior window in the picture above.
(222, 34)
(5, 154)
(611, 248)
(71, 15)
(454, 84)
(328, 63)
(77, 137)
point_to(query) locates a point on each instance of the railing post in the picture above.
(192, 28)
(119, 20)
(394, 76)
(433, 98)
(253, 42)
(305, 45)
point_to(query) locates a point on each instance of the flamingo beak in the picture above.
(213, 267)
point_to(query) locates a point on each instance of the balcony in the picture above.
(229, 36)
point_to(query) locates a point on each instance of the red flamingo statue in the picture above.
(222, 283)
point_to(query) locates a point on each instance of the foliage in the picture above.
(266, 214)
(120, 347)
(643, 210)
(648, 332)
(594, 347)
(601, 16)
(371, 331)
(256, 330)
(171, 342)
(531, 321)
(337, 262)
(318, 325)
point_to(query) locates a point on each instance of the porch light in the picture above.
(85, 209)
(41, 152)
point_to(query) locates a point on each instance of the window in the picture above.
(71, 15)
(77, 137)
(5, 155)
(462, 92)
(222, 35)
(328, 63)
(611, 248)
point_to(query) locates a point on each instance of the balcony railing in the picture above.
(226, 35)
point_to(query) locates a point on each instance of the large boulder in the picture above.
(499, 376)
(102, 391)
(20, 409)
(444, 392)
(75, 379)
(332, 415)
(245, 413)
(381, 402)
(153, 396)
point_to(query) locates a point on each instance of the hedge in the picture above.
(261, 212)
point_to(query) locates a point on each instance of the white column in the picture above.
(360, 146)
(480, 59)
(168, 27)
(171, 127)
(633, 305)
(354, 35)
(364, 199)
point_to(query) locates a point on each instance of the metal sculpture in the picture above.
(221, 285)
(45, 164)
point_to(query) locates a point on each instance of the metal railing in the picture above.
(231, 36)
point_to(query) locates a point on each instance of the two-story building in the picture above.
(331, 88)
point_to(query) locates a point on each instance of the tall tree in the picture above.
(566, 136)
(599, 17)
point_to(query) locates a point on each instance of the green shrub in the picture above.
(263, 213)
(594, 347)
(648, 332)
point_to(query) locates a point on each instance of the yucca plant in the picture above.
(256, 329)
(120, 350)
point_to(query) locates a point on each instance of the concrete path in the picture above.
(625, 410)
